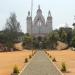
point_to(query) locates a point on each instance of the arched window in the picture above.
(39, 22)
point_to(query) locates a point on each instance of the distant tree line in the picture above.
(63, 34)
(12, 34)
(48, 42)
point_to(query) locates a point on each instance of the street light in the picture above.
(31, 7)
(31, 23)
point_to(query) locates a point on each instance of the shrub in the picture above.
(26, 60)
(45, 52)
(30, 56)
(73, 41)
(50, 56)
(54, 60)
(63, 67)
(16, 70)
(35, 52)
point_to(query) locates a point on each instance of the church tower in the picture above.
(39, 24)
(29, 23)
(49, 23)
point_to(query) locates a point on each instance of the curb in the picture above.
(26, 65)
(54, 65)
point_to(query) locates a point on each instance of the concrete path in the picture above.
(40, 65)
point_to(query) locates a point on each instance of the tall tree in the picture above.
(12, 29)
(52, 40)
(12, 26)
(27, 42)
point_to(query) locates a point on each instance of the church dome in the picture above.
(39, 16)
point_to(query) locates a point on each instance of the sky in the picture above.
(62, 11)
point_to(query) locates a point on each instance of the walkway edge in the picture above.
(54, 65)
(26, 65)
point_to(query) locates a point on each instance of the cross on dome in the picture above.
(39, 11)
(49, 13)
(38, 6)
(28, 13)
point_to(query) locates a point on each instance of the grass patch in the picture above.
(54, 60)
(16, 70)
(30, 56)
(26, 60)
(63, 67)
(50, 56)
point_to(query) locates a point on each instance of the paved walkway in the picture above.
(41, 65)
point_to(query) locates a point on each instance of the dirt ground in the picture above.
(67, 56)
(9, 59)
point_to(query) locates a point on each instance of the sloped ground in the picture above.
(61, 46)
(18, 46)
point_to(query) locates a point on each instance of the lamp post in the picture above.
(31, 7)
(31, 14)
(31, 23)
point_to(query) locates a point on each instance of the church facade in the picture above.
(38, 26)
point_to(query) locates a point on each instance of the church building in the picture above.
(39, 26)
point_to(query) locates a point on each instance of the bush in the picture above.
(26, 60)
(45, 52)
(54, 60)
(35, 52)
(50, 56)
(30, 56)
(16, 70)
(73, 42)
(63, 67)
